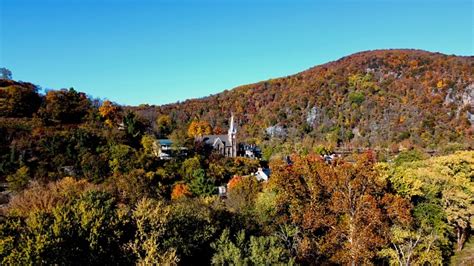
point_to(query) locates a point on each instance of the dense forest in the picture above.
(383, 99)
(83, 184)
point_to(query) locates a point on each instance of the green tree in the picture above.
(238, 250)
(421, 242)
(94, 167)
(65, 106)
(86, 230)
(409, 156)
(164, 125)
(133, 126)
(20, 179)
(243, 166)
(188, 168)
(121, 157)
(180, 138)
(241, 197)
(19, 100)
(92, 226)
(216, 172)
(266, 206)
(356, 97)
(201, 185)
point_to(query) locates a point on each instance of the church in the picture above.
(224, 144)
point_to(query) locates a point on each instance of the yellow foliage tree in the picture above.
(109, 112)
(447, 179)
(164, 125)
(199, 128)
(440, 84)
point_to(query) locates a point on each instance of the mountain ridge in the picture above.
(347, 57)
(415, 82)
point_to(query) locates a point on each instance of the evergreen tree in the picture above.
(200, 185)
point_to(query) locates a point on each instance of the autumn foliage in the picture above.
(109, 112)
(234, 181)
(180, 191)
(343, 203)
(369, 99)
(199, 128)
(94, 183)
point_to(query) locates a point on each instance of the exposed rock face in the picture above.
(461, 99)
(468, 96)
(312, 115)
(449, 97)
(468, 100)
(356, 132)
(276, 131)
(470, 117)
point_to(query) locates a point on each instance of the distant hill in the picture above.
(368, 99)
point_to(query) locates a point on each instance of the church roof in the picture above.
(211, 139)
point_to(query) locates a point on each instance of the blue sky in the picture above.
(158, 52)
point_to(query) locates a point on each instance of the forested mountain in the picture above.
(379, 98)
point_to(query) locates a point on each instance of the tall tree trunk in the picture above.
(461, 238)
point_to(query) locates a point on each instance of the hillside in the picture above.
(368, 99)
(82, 180)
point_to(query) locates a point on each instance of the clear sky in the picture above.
(155, 52)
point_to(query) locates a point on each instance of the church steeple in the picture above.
(232, 127)
(232, 135)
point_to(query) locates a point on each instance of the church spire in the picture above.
(232, 127)
(232, 135)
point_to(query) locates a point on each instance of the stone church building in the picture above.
(224, 144)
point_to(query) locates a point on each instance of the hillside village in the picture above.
(225, 145)
(345, 163)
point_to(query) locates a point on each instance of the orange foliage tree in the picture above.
(233, 182)
(180, 190)
(218, 130)
(344, 208)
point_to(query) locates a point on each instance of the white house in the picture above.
(166, 151)
(262, 174)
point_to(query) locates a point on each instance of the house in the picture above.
(262, 174)
(328, 158)
(166, 150)
(222, 191)
(249, 151)
(165, 144)
(224, 144)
